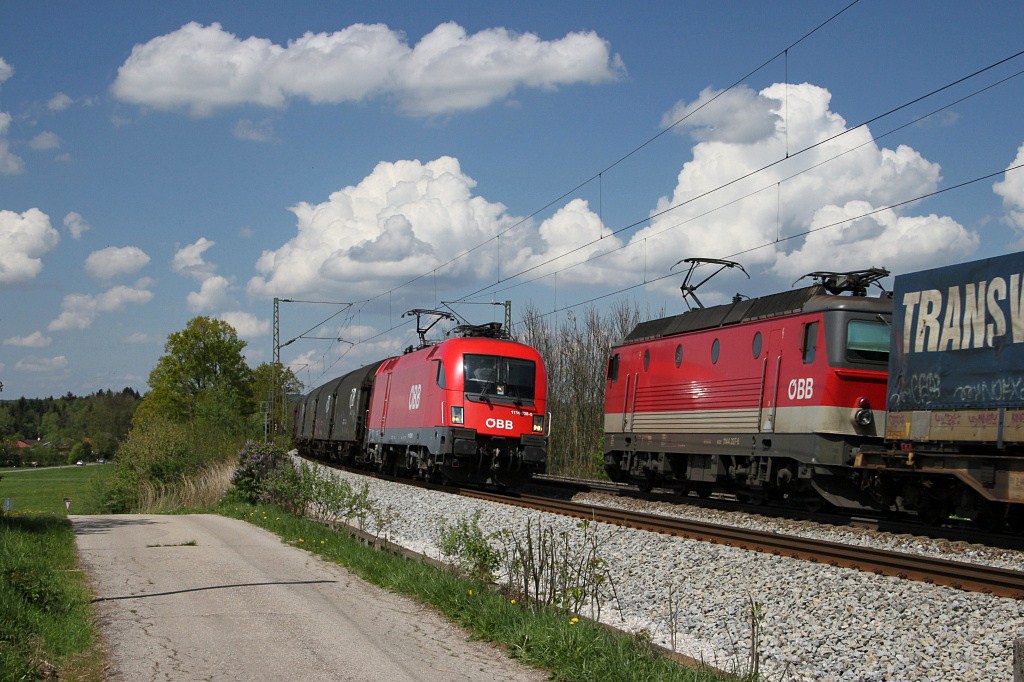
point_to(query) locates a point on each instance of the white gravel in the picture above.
(819, 622)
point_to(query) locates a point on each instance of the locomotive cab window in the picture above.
(867, 341)
(755, 346)
(810, 342)
(441, 381)
(491, 377)
(613, 368)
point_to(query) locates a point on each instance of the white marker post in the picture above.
(67, 503)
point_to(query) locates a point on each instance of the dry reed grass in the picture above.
(202, 490)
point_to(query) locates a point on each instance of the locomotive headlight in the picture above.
(538, 423)
(864, 415)
(458, 416)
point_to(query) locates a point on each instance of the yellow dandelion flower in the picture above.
(470, 593)
(301, 540)
(573, 620)
(323, 541)
(513, 601)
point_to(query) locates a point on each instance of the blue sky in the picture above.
(160, 161)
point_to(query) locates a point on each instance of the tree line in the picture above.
(91, 426)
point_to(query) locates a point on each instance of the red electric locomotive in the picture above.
(767, 398)
(469, 409)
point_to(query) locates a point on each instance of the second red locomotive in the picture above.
(469, 409)
(767, 398)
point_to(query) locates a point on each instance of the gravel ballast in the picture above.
(818, 622)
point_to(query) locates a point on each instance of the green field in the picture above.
(43, 491)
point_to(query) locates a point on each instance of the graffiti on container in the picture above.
(920, 388)
(948, 420)
(1003, 389)
(984, 419)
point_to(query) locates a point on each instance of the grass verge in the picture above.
(46, 626)
(568, 647)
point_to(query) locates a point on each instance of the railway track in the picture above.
(970, 577)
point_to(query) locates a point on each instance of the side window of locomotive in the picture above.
(440, 375)
(613, 368)
(647, 358)
(867, 341)
(810, 342)
(679, 355)
(755, 347)
(716, 348)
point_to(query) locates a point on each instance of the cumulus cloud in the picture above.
(59, 102)
(10, 163)
(76, 225)
(34, 364)
(115, 261)
(1011, 189)
(44, 141)
(254, 131)
(203, 68)
(188, 261)
(764, 216)
(212, 295)
(821, 209)
(140, 337)
(738, 116)
(33, 340)
(408, 215)
(246, 324)
(79, 311)
(24, 239)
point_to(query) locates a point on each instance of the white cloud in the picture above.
(254, 131)
(115, 261)
(246, 324)
(10, 163)
(738, 116)
(76, 225)
(409, 218)
(24, 239)
(1011, 189)
(772, 208)
(33, 340)
(203, 68)
(212, 295)
(6, 70)
(44, 141)
(140, 337)
(404, 219)
(59, 102)
(34, 364)
(79, 311)
(188, 260)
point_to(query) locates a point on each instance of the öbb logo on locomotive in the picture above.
(811, 397)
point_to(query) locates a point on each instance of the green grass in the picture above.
(45, 618)
(570, 649)
(43, 490)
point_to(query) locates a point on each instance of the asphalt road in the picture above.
(204, 597)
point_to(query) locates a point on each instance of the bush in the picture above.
(258, 463)
(157, 452)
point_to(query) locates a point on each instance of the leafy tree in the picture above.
(202, 374)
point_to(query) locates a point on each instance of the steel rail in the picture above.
(964, 576)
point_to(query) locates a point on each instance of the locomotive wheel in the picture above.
(1015, 519)
(703, 490)
(934, 514)
(989, 516)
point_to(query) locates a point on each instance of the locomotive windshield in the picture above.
(495, 377)
(867, 341)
